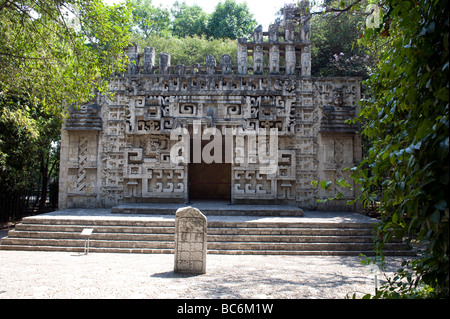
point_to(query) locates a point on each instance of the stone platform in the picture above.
(210, 208)
(315, 233)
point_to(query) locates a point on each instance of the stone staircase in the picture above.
(112, 236)
(226, 235)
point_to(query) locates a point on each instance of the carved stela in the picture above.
(257, 130)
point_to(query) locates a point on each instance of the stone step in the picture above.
(210, 251)
(290, 231)
(213, 247)
(170, 237)
(170, 222)
(98, 229)
(231, 230)
(289, 239)
(210, 209)
(317, 246)
(100, 222)
(264, 224)
(95, 236)
(309, 252)
(69, 242)
(80, 249)
(225, 236)
(249, 247)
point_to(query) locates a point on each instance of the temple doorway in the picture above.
(209, 180)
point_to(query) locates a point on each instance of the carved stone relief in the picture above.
(122, 148)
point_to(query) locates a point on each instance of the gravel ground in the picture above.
(63, 275)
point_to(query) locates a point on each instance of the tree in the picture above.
(28, 136)
(59, 50)
(231, 20)
(409, 109)
(334, 45)
(47, 153)
(189, 20)
(149, 20)
(406, 118)
(52, 54)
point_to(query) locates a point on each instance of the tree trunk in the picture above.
(44, 183)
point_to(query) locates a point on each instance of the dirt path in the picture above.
(96, 276)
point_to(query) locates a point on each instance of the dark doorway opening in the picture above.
(209, 180)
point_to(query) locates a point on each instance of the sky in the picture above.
(263, 10)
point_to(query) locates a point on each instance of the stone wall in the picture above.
(278, 127)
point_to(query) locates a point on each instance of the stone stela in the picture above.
(121, 149)
(190, 241)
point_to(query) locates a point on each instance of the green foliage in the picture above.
(190, 50)
(342, 183)
(193, 34)
(334, 47)
(58, 51)
(231, 20)
(52, 54)
(406, 119)
(28, 136)
(404, 285)
(189, 21)
(149, 20)
(18, 137)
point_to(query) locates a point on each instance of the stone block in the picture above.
(190, 241)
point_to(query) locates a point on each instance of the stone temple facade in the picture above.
(258, 132)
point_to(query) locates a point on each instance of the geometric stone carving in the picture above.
(82, 161)
(149, 60)
(337, 105)
(133, 57)
(86, 117)
(274, 126)
(227, 68)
